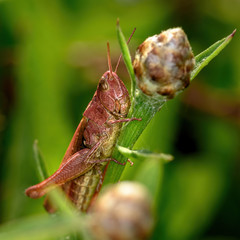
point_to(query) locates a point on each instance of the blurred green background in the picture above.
(52, 54)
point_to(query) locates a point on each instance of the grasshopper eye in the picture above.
(103, 85)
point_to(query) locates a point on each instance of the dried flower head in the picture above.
(122, 212)
(163, 63)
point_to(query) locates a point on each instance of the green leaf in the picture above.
(56, 196)
(206, 56)
(66, 222)
(40, 162)
(126, 57)
(144, 155)
(42, 227)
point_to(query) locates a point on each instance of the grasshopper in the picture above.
(81, 172)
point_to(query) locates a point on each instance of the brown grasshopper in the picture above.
(81, 172)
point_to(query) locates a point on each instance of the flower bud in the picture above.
(123, 212)
(163, 63)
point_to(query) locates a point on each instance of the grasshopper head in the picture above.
(113, 94)
(111, 91)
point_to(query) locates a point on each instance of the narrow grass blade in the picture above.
(61, 202)
(56, 196)
(206, 56)
(126, 57)
(42, 227)
(144, 155)
(40, 162)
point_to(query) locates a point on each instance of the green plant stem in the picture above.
(143, 107)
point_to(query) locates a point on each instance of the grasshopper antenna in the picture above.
(119, 59)
(109, 58)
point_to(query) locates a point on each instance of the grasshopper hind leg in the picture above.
(75, 166)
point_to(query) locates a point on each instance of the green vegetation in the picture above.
(52, 54)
